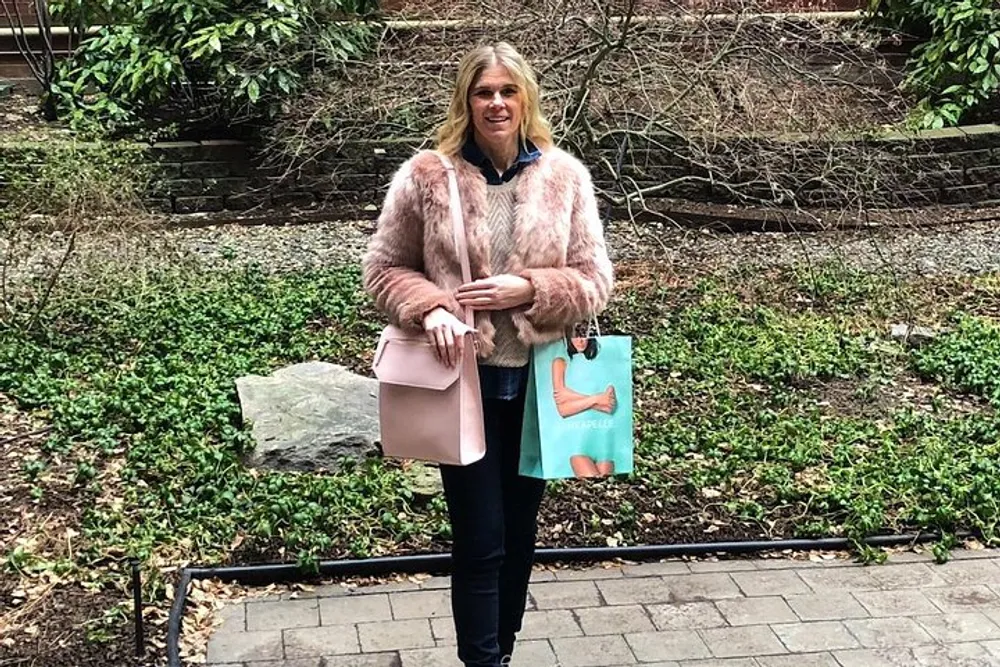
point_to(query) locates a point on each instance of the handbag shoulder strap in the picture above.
(461, 243)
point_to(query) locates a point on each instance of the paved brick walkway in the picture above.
(760, 613)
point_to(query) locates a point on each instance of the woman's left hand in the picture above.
(501, 292)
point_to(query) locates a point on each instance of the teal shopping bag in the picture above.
(578, 409)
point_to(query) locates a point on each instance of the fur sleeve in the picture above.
(571, 294)
(392, 267)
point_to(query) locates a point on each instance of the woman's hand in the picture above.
(501, 292)
(447, 334)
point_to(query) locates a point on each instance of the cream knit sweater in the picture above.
(509, 351)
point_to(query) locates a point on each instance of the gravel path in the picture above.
(953, 249)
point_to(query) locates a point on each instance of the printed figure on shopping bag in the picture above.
(569, 402)
(581, 422)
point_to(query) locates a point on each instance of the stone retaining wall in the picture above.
(950, 166)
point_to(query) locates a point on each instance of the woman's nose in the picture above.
(497, 99)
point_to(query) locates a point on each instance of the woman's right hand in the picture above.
(447, 334)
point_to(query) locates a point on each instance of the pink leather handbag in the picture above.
(428, 411)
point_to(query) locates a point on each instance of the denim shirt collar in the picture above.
(527, 153)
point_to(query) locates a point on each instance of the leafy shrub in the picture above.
(238, 57)
(957, 68)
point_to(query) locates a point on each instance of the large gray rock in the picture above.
(306, 415)
(912, 335)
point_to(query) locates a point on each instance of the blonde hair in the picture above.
(451, 134)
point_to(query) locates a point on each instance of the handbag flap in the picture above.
(412, 362)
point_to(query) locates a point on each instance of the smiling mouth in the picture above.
(497, 121)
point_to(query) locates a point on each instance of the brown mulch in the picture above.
(19, 113)
(45, 619)
(55, 632)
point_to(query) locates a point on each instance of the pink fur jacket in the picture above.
(411, 265)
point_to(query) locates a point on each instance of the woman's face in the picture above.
(497, 108)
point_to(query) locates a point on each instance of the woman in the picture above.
(539, 265)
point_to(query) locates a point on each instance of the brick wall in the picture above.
(951, 166)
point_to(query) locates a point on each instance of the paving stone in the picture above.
(328, 640)
(962, 598)
(444, 628)
(785, 564)
(895, 603)
(542, 575)
(592, 651)
(656, 569)
(815, 637)
(801, 660)
(756, 611)
(698, 587)
(826, 606)
(670, 645)
(237, 647)
(888, 632)
(614, 620)
(395, 635)
(233, 618)
(716, 662)
(548, 624)
(635, 590)
(707, 566)
(566, 595)
(282, 614)
(839, 579)
(772, 582)
(354, 609)
(992, 647)
(750, 640)
(301, 662)
(435, 583)
(685, 616)
(955, 628)
(969, 572)
(914, 575)
(430, 657)
(536, 653)
(910, 557)
(420, 604)
(369, 660)
(321, 591)
(971, 554)
(401, 586)
(955, 655)
(885, 657)
(591, 574)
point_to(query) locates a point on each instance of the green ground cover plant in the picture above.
(769, 404)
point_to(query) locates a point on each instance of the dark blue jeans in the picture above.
(493, 513)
